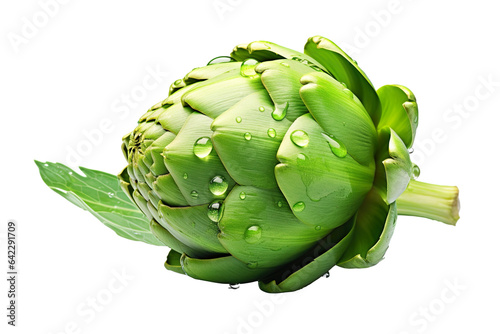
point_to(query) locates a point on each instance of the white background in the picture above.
(63, 78)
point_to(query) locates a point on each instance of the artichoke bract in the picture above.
(273, 165)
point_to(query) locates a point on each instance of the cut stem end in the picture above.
(430, 201)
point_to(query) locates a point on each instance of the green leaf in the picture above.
(207, 97)
(346, 70)
(281, 78)
(245, 134)
(100, 194)
(226, 269)
(265, 51)
(373, 229)
(200, 169)
(397, 166)
(210, 71)
(191, 226)
(339, 112)
(311, 266)
(399, 111)
(167, 190)
(169, 240)
(174, 116)
(258, 228)
(173, 262)
(322, 183)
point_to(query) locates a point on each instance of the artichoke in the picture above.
(273, 165)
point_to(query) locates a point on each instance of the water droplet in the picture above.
(285, 64)
(185, 176)
(252, 264)
(299, 138)
(301, 156)
(177, 82)
(343, 84)
(247, 135)
(262, 109)
(247, 68)
(279, 111)
(220, 59)
(415, 119)
(218, 185)
(234, 286)
(202, 147)
(415, 171)
(194, 194)
(348, 93)
(238, 119)
(299, 206)
(215, 211)
(193, 224)
(280, 204)
(70, 173)
(411, 150)
(327, 274)
(336, 146)
(45, 165)
(243, 195)
(316, 68)
(317, 228)
(355, 62)
(271, 133)
(252, 234)
(111, 195)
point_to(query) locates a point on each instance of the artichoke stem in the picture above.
(430, 201)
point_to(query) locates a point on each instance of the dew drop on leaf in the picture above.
(253, 234)
(252, 264)
(348, 93)
(415, 171)
(220, 59)
(336, 146)
(247, 68)
(299, 207)
(215, 211)
(218, 185)
(280, 111)
(299, 138)
(202, 147)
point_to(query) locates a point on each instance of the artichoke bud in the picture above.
(273, 165)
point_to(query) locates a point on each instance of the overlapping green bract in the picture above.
(272, 165)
